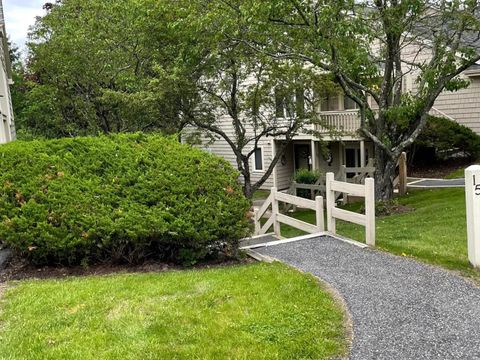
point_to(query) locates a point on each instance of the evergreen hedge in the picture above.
(117, 198)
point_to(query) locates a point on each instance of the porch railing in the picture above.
(345, 122)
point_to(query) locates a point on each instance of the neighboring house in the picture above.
(345, 146)
(7, 124)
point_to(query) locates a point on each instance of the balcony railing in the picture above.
(345, 122)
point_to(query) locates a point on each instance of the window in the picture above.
(279, 104)
(349, 104)
(300, 101)
(330, 102)
(258, 160)
(289, 103)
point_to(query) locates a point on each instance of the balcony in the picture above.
(345, 122)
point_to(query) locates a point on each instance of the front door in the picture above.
(303, 156)
(352, 159)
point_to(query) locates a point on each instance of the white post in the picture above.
(330, 203)
(274, 152)
(362, 153)
(294, 186)
(472, 193)
(275, 211)
(314, 156)
(370, 211)
(257, 222)
(343, 178)
(319, 213)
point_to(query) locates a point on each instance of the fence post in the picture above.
(370, 211)
(402, 171)
(330, 203)
(472, 194)
(257, 222)
(319, 213)
(275, 211)
(295, 190)
(343, 177)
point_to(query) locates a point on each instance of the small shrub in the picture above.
(305, 176)
(118, 198)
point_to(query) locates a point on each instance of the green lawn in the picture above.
(459, 173)
(258, 311)
(260, 194)
(435, 232)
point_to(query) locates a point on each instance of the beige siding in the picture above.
(463, 105)
(285, 170)
(221, 148)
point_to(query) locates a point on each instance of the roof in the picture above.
(473, 70)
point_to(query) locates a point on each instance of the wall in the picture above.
(285, 171)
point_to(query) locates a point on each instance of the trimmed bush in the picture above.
(441, 138)
(117, 198)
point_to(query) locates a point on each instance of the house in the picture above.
(7, 124)
(345, 146)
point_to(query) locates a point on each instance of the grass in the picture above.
(434, 233)
(256, 311)
(260, 194)
(459, 173)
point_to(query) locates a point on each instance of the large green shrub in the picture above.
(120, 198)
(442, 138)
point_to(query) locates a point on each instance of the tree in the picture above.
(244, 93)
(371, 47)
(241, 96)
(91, 68)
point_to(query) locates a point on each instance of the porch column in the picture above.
(362, 153)
(314, 156)
(274, 172)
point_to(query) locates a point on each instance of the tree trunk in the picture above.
(384, 174)
(247, 188)
(247, 180)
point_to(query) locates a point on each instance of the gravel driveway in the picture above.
(401, 309)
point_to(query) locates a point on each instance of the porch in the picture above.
(334, 156)
(339, 123)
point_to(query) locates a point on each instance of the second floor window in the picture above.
(330, 102)
(335, 101)
(289, 103)
(349, 104)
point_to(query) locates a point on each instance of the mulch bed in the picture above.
(19, 269)
(438, 171)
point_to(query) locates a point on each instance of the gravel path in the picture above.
(401, 309)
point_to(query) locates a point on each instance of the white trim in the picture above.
(257, 236)
(417, 181)
(433, 187)
(306, 237)
(255, 160)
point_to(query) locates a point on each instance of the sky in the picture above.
(19, 15)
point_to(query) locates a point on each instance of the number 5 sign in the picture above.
(472, 193)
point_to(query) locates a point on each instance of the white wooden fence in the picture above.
(368, 219)
(276, 218)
